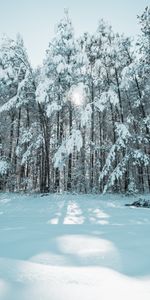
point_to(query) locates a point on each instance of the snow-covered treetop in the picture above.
(15, 73)
(144, 21)
(64, 28)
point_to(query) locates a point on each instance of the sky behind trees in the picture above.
(36, 19)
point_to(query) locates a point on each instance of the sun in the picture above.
(77, 95)
(77, 98)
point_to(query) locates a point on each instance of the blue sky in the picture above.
(36, 19)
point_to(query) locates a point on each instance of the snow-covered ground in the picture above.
(69, 247)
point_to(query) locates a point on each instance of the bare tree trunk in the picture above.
(16, 167)
(57, 172)
(82, 183)
(45, 181)
(126, 175)
(11, 136)
(69, 181)
(92, 141)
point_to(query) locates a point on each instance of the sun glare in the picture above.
(77, 95)
(77, 98)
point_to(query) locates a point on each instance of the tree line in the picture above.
(80, 122)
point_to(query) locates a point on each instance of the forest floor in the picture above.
(72, 247)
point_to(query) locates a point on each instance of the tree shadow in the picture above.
(122, 248)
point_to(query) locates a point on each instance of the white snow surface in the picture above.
(69, 247)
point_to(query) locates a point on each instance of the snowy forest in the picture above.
(81, 121)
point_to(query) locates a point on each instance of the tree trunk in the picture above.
(69, 181)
